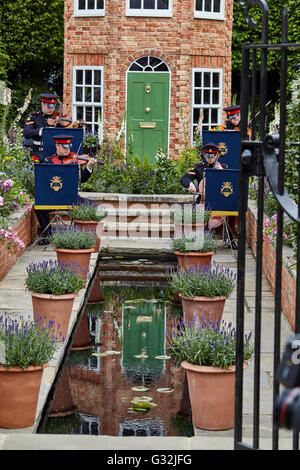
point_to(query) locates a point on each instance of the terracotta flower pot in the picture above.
(93, 226)
(19, 392)
(54, 307)
(203, 308)
(82, 338)
(212, 394)
(195, 258)
(82, 257)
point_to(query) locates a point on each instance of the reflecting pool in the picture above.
(117, 379)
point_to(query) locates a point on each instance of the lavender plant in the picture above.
(88, 210)
(26, 343)
(204, 281)
(211, 344)
(72, 238)
(51, 277)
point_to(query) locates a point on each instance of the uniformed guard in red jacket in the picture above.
(63, 155)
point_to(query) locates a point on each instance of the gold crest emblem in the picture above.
(226, 189)
(56, 183)
(223, 148)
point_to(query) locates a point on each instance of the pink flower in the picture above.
(1, 201)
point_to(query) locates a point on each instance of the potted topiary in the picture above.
(26, 348)
(53, 287)
(89, 215)
(203, 290)
(208, 355)
(196, 249)
(74, 244)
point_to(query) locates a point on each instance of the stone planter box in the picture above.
(288, 289)
(26, 227)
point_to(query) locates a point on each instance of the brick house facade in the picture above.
(187, 41)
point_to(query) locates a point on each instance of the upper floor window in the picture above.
(149, 7)
(212, 9)
(88, 95)
(206, 99)
(89, 7)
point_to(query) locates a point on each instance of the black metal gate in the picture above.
(263, 157)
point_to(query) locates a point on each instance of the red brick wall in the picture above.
(288, 289)
(26, 229)
(115, 41)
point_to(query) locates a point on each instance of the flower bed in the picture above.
(288, 291)
(25, 227)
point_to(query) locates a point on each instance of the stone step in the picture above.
(136, 245)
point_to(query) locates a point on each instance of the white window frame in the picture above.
(148, 12)
(87, 12)
(203, 106)
(210, 14)
(91, 104)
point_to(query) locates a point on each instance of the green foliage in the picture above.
(26, 343)
(51, 277)
(211, 345)
(203, 281)
(72, 238)
(243, 34)
(124, 174)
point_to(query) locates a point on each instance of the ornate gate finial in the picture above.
(262, 4)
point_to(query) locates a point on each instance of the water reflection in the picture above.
(118, 355)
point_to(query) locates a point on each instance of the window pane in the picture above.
(135, 4)
(196, 115)
(207, 79)
(88, 94)
(149, 4)
(198, 79)
(79, 113)
(214, 116)
(79, 77)
(81, 4)
(100, 5)
(135, 67)
(162, 4)
(97, 77)
(197, 97)
(206, 96)
(143, 61)
(154, 61)
(91, 4)
(205, 115)
(88, 77)
(97, 111)
(199, 5)
(97, 94)
(89, 114)
(161, 68)
(215, 96)
(78, 93)
(216, 79)
(217, 6)
(208, 5)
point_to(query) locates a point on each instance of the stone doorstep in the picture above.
(137, 198)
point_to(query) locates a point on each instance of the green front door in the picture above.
(147, 113)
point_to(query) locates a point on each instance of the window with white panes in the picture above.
(206, 99)
(213, 9)
(149, 7)
(89, 7)
(88, 95)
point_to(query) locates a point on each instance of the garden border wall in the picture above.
(288, 291)
(25, 225)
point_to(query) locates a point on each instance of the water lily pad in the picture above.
(165, 390)
(162, 357)
(106, 353)
(139, 388)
